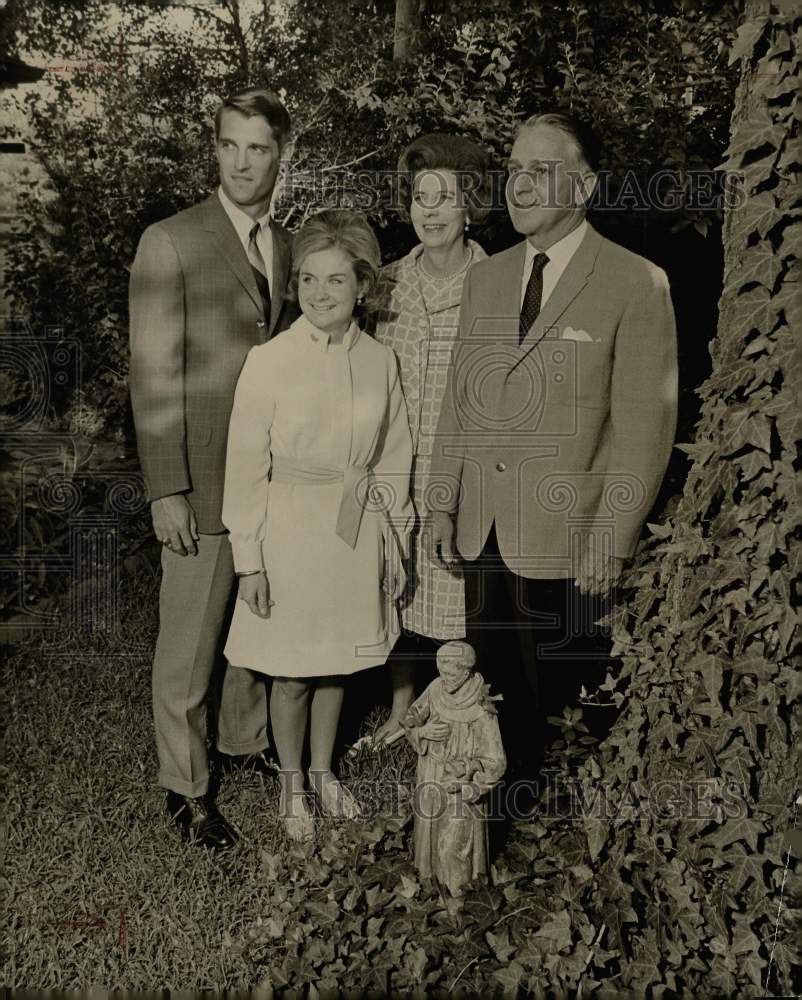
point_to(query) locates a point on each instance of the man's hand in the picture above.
(440, 535)
(598, 572)
(253, 590)
(174, 523)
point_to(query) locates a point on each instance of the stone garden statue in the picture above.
(454, 728)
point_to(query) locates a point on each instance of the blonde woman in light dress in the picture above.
(318, 509)
(447, 189)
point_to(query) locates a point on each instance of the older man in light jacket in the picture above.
(555, 432)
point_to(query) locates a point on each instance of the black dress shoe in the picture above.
(200, 822)
(259, 762)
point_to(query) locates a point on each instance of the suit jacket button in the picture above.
(500, 467)
(260, 323)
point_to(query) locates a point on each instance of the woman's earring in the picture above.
(360, 299)
(467, 225)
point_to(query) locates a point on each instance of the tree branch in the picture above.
(350, 163)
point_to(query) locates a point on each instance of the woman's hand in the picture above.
(394, 580)
(253, 589)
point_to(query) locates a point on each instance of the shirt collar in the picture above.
(241, 221)
(321, 339)
(561, 251)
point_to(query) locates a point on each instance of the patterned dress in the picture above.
(418, 317)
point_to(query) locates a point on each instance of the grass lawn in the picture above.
(100, 892)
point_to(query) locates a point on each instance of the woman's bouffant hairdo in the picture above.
(442, 151)
(351, 232)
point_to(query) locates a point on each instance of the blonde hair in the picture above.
(347, 230)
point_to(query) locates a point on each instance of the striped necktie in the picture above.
(532, 297)
(257, 263)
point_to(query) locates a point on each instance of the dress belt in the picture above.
(355, 480)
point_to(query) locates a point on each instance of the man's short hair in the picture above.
(257, 101)
(588, 145)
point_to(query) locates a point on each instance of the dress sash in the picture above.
(356, 480)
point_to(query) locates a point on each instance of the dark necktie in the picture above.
(532, 296)
(257, 262)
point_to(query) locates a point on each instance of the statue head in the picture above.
(456, 661)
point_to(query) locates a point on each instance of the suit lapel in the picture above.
(281, 275)
(504, 295)
(230, 248)
(572, 281)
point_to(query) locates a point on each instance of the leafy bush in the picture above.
(694, 880)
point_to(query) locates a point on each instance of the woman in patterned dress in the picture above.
(445, 179)
(317, 505)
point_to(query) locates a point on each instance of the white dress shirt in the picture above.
(559, 255)
(243, 224)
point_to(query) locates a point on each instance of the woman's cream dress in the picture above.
(313, 426)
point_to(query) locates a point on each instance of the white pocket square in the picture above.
(569, 333)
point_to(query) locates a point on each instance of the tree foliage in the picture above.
(691, 877)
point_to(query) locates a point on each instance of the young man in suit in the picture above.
(555, 432)
(207, 284)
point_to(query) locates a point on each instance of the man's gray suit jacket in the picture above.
(195, 312)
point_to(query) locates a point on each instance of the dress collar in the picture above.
(321, 340)
(414, 255)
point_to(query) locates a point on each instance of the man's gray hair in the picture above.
(580, 133)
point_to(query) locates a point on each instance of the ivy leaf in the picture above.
(373, 928)
(373, 895)
(500, 944)
(596, 831)
(558, 930)
(408, 887)
(416, 963)
(746, 39)
(752, 464)
(383, 871)
(745, 867)
(746, 829)
(350, 899)
(482, 906)
(326, 913)
(510, 977)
